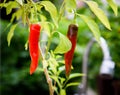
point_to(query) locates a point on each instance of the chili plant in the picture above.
(33, 15)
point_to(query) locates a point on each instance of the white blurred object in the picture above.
(70, 15)
(108, 65)
(105, 50)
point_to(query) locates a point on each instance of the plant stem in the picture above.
(49, 80)
(65, 82)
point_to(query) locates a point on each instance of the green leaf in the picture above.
(10, 5)
(53, 64)
(99, 13)
(4, 1)
(11, 33)
(1, 5)
(75, 75)
(38, 6)
(64, 44)
(71, 5)
(26, 45)
(17, 14)
(13, 17)
(92, 25)
(50, 7)
(23, 16)
(113, 6)
(72, 84)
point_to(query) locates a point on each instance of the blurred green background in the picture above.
(15, 60)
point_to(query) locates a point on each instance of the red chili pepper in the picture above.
(34, 46)
(72, 36)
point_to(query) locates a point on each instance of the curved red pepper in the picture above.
(34, 46)
(72, 36)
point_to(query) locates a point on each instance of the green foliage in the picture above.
(10, 5)
(11, 33)
(17, 15)
(75, 75)
(64, 44)
(52, 10)
(99, 13)
(113, 6)
(93, 26)
(31, 9)
(53, 61)
(56, 68)
(72, 84)
(68, 6)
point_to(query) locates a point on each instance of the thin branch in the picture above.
(49, 80)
